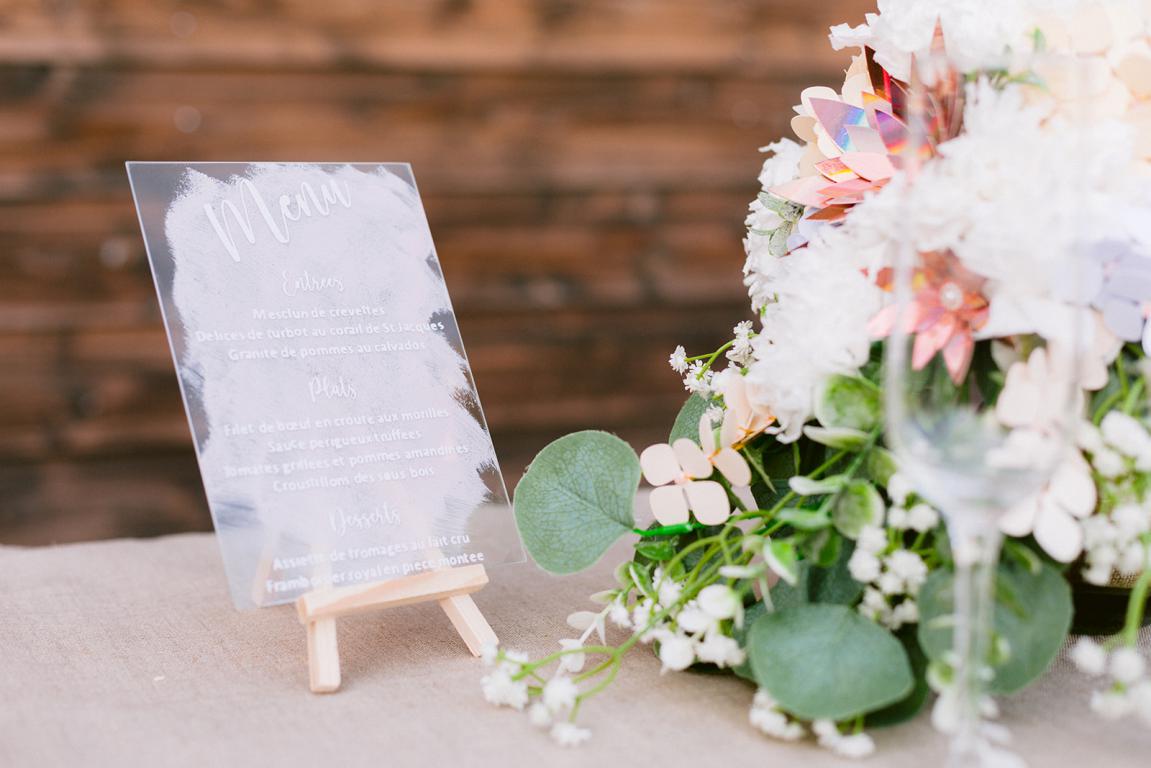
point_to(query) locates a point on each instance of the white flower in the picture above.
(1126, 435)
(863, 566)
(490, 653)
(500, 689)
(721, 650)
(619, 614)
(922, 518)
(676, 653)
(1127, 665)
(668, 591)
(898, 518)
(539, 716)
(1108, 463)
(871, 539)
(560, 694)
(1051, 514)
(693, 620)
(678, 360)
(766, 717)
(1110, 705)
(899, 488)
(906, 612)
(1089, 657)
(783, 165)
(719, 602)
(569, 734)
(909, 567)
(855, 746)
(890, 583)
(572, 662)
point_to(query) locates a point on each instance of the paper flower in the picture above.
(741, 420)
(1052, 515)
(947, 310)
(679, 473)
(1121, 279)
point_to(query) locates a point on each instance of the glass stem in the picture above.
(976, 558)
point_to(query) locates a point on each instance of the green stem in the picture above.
(667, 530)
(1135, 607)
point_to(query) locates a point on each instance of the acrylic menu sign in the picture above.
(336, 422)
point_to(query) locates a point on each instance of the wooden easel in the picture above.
(451, 588)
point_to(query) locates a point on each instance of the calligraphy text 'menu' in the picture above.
(304, 204)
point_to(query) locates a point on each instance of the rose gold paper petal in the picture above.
(691, 458)
(802, 191)
(659, 464)
(870, 166)
(866, 139)
(708, 501)
(893, 133)
(957, 354)
(733, 466)
(835, 117)
(834, 170)
(669, 505)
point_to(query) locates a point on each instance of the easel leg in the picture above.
(469, 622)
(323, 656)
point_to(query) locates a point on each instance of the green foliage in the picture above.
(911, 705)
(820, 584)
(857, 506)
(687, 421)
(827, 661)
(576, 500)
(1032, 613)
(849, 402)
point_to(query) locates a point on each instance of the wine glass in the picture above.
(977, 424)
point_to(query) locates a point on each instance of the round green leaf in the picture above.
(858, 506)
(576, 500)
(1032, 612)
(687, 421)
(848, 401)
(827, 661)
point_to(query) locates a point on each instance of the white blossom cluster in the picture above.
(1120, 453)
(892, 573)
(1129, 687)
(692, 631)
(766, 717)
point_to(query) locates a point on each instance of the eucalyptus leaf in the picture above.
(858, 506)
(782, 558)
(827, 662)
(687, 421)
(805, 486)
(848, 401)
(880, 465)
(843, 438)
(805, 519)
(912, 704)
(1032, 613)
(576, 499)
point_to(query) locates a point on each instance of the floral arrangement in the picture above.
(786, 547)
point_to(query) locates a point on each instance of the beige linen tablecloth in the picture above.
(130, 653)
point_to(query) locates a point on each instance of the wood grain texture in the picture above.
(586, 166)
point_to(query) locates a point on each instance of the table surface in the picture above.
(129, 652)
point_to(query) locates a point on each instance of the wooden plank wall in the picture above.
(585, 164)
